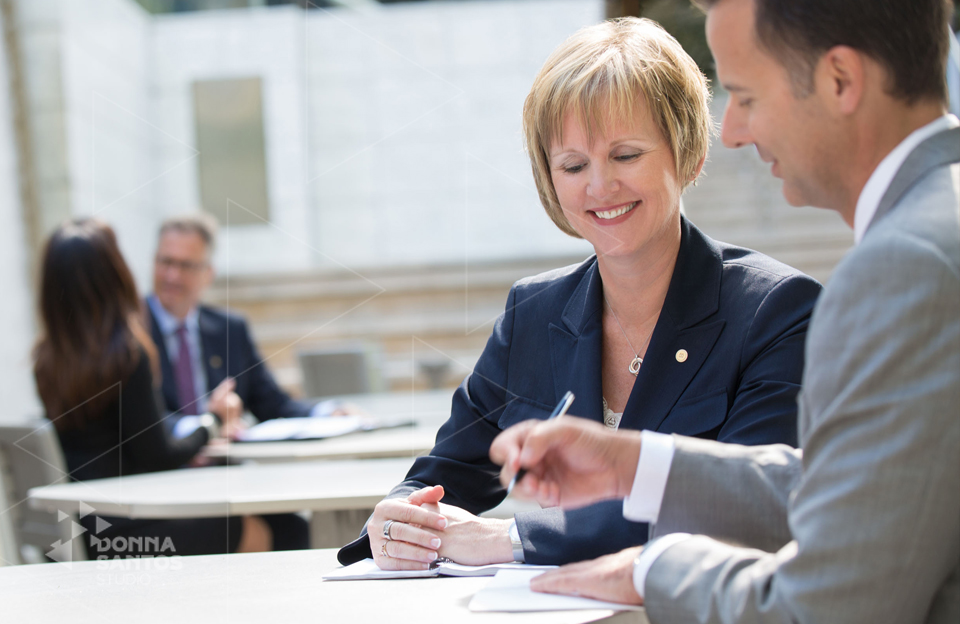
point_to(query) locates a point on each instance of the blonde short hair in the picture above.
(607, 73)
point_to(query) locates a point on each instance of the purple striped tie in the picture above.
(183, 372)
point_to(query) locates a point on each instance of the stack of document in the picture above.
(367, 569)
(317, 428)
(508, 591)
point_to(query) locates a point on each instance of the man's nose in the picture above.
(734, 132)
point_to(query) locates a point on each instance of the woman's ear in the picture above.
(699, 168)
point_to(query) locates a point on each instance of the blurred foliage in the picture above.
(680, 18)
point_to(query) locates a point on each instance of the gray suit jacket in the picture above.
(863, 525)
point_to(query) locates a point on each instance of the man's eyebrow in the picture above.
(733, 88)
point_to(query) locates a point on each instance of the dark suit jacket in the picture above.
(255, 385)
(742, 319)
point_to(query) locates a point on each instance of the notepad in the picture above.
(368, 570)
(509, 591)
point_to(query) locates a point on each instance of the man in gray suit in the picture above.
(846, 99)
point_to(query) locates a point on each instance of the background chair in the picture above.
(336, 371)
(30, 456)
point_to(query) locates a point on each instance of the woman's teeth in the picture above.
(616, 212)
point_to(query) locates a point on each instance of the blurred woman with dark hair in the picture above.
(96, 372)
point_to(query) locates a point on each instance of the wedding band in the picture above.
(386, 530)
(383, 550)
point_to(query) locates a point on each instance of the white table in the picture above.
(429, 409)
(252, 588)
(402, 442)
(326, 488)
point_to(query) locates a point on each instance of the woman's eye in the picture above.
(573, 168)
(627, 157)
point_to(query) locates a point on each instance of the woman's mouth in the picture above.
(613, 213)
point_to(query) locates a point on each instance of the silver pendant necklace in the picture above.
(637, 361)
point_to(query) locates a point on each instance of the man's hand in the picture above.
(608, 578)
(570, 462)
(228, 406)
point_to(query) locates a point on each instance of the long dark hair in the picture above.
(93, 334)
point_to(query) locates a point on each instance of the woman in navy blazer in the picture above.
(663, 329)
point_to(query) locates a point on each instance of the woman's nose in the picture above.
(603, 182)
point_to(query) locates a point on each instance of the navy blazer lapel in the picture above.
(213, 342)
(168, 384)
(680, 344)
(576, 348)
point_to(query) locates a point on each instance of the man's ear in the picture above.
(841, 77)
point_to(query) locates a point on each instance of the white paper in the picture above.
(510, 591)
(368, 570)
(301, 428)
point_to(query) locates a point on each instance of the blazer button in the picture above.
(216, 361)
(682, 355)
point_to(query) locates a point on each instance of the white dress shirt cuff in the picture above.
(644, 561)
(185, 426)
(326, 408)
(646, 495)
(516, 544)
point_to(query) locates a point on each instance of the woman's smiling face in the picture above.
(620, 189)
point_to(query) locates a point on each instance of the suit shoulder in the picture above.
(757, 264)
(751, 275)
(563, 279)
(894, 259)
(223, 316)
(926, 220)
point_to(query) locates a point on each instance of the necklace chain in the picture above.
(637, 361)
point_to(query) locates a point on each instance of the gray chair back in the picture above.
(336, 371)
(30, 456)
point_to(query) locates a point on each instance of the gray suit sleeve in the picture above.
(874, 515)
(737, 494)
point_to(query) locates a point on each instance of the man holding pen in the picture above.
(846, 99)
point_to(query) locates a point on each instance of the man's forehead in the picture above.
(183, 241)
(740, 61)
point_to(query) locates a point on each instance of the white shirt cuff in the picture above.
(646, 495)
(516, 543)
(325, 408)
(185, 426)
(643, 563)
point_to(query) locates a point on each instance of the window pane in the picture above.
(229, 117)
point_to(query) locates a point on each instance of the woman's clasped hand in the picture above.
(409, 533)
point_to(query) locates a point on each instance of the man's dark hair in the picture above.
(909, 38)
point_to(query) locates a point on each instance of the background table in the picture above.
(428, 409)
(330, 489)
(401, 442)
(250, 588)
